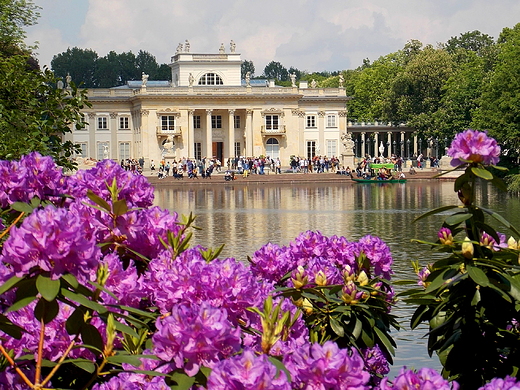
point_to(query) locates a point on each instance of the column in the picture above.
(190, 147)
(376, 144)
(415, 145)
(363, 149)
(389, 143)
(113, 138)
(231, 134)
(92, 151)
(320, 119)
(208, 149)
(249, 133)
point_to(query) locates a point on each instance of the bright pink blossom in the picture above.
(474, 146)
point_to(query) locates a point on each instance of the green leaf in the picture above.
(476, 298)
(99, 201)
(120, 207)
(280, 366)
(181, 381)
(455, 219)
(75, 321)
(22, 207)
(9, 284)
(82, 300)
(11, 329)
(125, 329)
(90, 336)
(386, 340)
(84, 364)
(129, 359)
(336, 327)
(478, 276)
(482, 173)
(46, 311)
(20, 304)
(47, 287)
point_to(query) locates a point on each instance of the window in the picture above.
(216, 121)
(238, 150)
(124, 123)
(237, 122)
(311, 149)
(196, 121)
(271, 122)
(102, 123)
(83, 148)
(124, 150)
(311, 121)
(168, 122)
(210, 79)
(198, 151)
(103, 150)
(331, 121)
(332, 147)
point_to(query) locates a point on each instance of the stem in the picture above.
(60, 362)
(11, 225)
(16, 368)
(38, 374)
(96, 374)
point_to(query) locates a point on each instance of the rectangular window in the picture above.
(216, 121)
(271, 122)
(124, 150)
(196, 121)
(102, 122)
(168, 122)
(332, 147)
(103, 150)
(311, 121)
(198, 151)
(238, 150)
(311, 149)
(124, 123)
(237, 122)
(83, 147)
(331, 121)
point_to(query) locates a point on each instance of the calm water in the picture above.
(246, 217)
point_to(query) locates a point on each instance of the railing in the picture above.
(169, 130)
(273, 130)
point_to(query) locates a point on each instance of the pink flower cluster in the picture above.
(474, 146)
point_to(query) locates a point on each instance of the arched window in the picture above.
(272, 148)
(210, 79)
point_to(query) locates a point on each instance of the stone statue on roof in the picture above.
(144, 79)
(179, 48)
(222, 49)
(313, 83)
(68, 79)
(232, 46)
(187, 46)
(248, 79)
(341, 80)
(293, 79)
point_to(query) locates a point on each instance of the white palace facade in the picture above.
(207, 110)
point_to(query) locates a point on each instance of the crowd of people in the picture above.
(316, 164)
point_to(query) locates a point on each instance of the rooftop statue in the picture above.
(232, 46)
(222, 49)
(187, 46)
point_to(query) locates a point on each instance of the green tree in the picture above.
(499, 111)
(34, 114)
(79, 63)
(164, 72)
(275, 70)
(247, 66)
(145, 62)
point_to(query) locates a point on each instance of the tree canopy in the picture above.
(34, 114)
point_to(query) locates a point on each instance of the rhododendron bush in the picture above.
(100, 290)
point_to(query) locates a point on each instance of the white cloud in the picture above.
(307, 34)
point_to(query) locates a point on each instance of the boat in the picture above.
(376, 181)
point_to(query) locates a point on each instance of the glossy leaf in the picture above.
(9, 284)
(455, 219)
(91, 336)
(181, 381)
(482, 173)
(120, 207)
(99, 201)
(478, 276)
(9, 328)
(46, 311)
(81, 299)
(48, 287)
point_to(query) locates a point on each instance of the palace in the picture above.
(207, 110)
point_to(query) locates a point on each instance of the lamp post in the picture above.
(402, 148)
(374, 148)
(395, 149)
(356, 148)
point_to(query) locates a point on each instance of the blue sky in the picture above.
(310, 35)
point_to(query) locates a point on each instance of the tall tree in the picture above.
(34, 114)
(247, 66)
(499, 111)
(79, 63)
(146, 63)
(275, 70)
(15, 15)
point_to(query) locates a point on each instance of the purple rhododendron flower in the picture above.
(502, 384)
(327, 367)
(51, 240)
(490, 242)
(424, 379)
(474, 146)
(247, 372)
(270, 262)
(195, 335)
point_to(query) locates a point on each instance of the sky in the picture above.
(310, 35)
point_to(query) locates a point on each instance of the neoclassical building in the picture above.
(209, 111)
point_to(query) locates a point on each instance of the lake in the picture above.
(244, 218)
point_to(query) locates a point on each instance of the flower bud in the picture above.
(445, 236)
(512, 243)
(362, 278)
(467, 249)
(300, 278)
(320, 278)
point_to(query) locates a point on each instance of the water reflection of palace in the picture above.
(384, 139)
